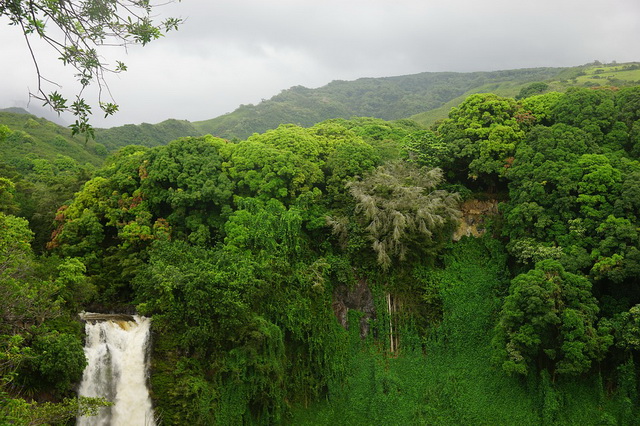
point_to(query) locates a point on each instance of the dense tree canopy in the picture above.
(482, 134)
(308, 275)
(548, 320)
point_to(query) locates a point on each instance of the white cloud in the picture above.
(231, 52)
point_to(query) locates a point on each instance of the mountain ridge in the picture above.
(388, 98)
(423, 97)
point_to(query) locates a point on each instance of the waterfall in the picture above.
(116, 369)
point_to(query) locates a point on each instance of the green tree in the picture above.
(628, 105)
(262, 169)
(190, 286)
(426, 149)
(628, 329)
(532, 89)
(591, 110)
(7, 196)
(599, 186)
(204, 301)
(34, 357)
(545, 182)
(184, 183)
(56, 363)
(387, 138)
(350, 158)
(616, 256)
(482, 134)
(23, 303)
(21, 412)
(548, 321)
(538, 108)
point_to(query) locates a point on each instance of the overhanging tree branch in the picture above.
(84, 26)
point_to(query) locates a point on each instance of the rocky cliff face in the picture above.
(359, 298)
(474, 213)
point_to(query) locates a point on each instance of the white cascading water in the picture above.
(116, 370)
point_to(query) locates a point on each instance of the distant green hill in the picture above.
(424, 97)
(388, 98)
(146, 134)
(590, 75)
(28, 135)
(15, 110)
(38, 111)
(46, 166)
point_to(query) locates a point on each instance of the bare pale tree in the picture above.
(402, 209)
(404, 214)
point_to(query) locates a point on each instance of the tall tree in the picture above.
(482, 134)
(402, 210)
(548, 321)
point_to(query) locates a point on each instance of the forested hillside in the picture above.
(425, 97)
(308, 275)
(146, 134)
(388, 98)
(45, 166)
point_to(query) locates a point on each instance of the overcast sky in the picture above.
(232, 52)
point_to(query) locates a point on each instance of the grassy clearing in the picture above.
(603, 75)
(609, 74)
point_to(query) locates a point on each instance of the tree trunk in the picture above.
(391, 339)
